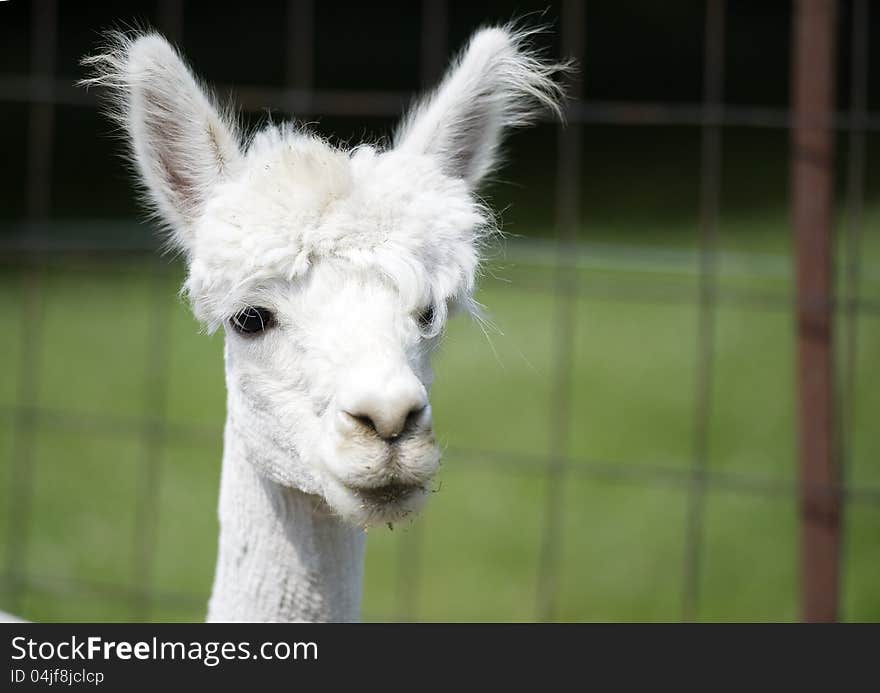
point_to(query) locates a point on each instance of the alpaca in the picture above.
(332, 274)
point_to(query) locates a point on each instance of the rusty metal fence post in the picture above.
(812, 161)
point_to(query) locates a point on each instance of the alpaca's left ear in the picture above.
(497, 82)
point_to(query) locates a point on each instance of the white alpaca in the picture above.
(332, 273)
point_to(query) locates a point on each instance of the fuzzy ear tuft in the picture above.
(181, 143)
(499, 81)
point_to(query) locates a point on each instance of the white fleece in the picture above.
(358, 256)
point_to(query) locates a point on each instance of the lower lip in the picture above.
(387, 495)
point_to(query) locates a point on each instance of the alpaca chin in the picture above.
(382, 505)
(396, 491)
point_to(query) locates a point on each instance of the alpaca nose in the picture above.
(389, 409)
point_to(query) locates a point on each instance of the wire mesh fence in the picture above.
(33, 256)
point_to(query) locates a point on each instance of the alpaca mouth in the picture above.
(389, 494)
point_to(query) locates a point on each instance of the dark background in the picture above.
(635, 51)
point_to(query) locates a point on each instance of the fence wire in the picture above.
(32, 253)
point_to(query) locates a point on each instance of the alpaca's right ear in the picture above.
(181, 144)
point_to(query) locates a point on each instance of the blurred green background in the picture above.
(99, 429)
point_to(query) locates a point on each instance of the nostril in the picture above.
(413, 418)
(410, 423)
(364, 420)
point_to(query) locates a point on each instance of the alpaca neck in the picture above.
(281, 555)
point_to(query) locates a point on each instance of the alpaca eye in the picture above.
(426, 317)
(252, 320)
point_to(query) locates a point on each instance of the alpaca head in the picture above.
(332, 272)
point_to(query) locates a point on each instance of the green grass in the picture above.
(628, 442)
